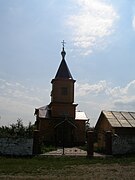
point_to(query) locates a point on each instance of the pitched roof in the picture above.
(63, 71)
(79, 115)
(43, 112)
(120, 119)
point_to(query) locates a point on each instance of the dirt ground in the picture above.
(84, 172)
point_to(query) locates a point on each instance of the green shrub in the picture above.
(45, 149)
(17, 130)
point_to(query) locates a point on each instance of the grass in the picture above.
(45, 149)
(50, 167)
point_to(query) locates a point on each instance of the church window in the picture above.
(64, 91)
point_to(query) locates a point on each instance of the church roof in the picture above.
(80, 115)
(63, 70)
(43, 112)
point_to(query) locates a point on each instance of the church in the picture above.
(59, 123)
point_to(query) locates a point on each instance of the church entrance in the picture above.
(64, 135)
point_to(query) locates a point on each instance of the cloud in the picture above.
(124, 98)
(133, 17)
(19, 101)
(133, 22)
(16, 91)
(85, 89)
(91, 24)
(93, 98)
(103, 88)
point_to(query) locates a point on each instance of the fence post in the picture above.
(108, 142)
(36, 143)
(90, 143)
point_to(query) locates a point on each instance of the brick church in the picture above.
(58, 122)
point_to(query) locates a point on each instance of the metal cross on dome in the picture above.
(63, 43)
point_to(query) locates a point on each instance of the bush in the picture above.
(45, 149)
(17, 130)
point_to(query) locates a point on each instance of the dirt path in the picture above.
(84, 172)
(70, 152)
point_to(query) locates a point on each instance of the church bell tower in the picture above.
(62, 95)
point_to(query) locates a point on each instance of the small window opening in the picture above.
(64, 91)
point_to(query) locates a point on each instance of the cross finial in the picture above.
(63, 53)
(63, 43)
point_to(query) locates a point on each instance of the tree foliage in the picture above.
(17, 130)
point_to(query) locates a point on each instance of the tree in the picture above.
(17, 130)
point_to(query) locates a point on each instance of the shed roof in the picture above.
(120, 119)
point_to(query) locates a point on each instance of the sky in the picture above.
(100, 51)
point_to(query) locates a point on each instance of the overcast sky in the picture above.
(100, 47)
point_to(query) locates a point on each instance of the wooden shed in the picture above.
(122, 127)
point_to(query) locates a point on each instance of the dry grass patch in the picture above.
(67, 168)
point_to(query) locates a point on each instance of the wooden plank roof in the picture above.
(120, 119)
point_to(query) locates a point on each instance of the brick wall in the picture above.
(17, 147)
